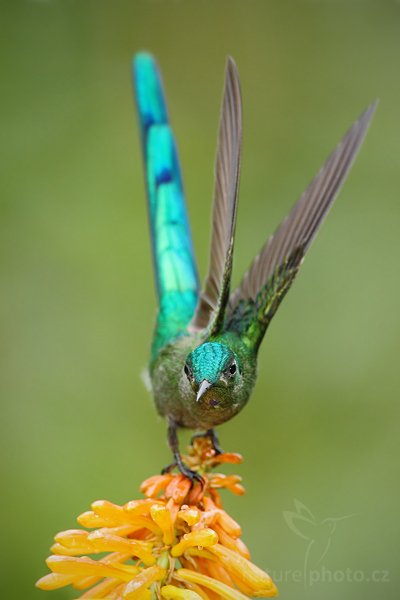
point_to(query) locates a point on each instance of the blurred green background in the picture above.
(77, 298)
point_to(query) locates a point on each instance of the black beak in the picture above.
(205, 384)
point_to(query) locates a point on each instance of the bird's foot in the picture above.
(210, 433)
(168, 468)
(189, 473)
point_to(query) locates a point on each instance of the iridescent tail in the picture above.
(173, 256)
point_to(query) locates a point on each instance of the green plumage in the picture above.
(175, 392)
(204, 354)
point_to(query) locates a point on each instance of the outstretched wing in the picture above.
(173, 257)
(213, 299)
(255, 301)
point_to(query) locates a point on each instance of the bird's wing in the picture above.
(173, 256)
(255, 301)
(214, 297)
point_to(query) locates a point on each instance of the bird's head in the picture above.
(213, 372)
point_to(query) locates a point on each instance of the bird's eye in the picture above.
(186, 370)
(232, 369)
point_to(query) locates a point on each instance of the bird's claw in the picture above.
(192, 475)
(168, 468)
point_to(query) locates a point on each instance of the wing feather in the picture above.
(215, 294)
(275, 266)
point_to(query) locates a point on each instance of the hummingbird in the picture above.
(203, 363)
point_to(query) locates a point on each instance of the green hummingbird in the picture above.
(204, 353)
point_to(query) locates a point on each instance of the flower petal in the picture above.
(190, 515)
(228, 524)
(178, 488)
(104, 542)
(242, 568)
(162, 517)
(109, 511)
(201, 537)
(153, 485)
(172, 592)
(215, 570)
(83, 583)
(72, 538)
(141, 508)
(86, 566)
(233, 458)
(231, 542)
(90, 520)
(102, 590)
(216, 586)
(141, 582)
(53, 581)
(231, 482)
(199, 590)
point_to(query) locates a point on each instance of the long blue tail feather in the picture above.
(173, 256)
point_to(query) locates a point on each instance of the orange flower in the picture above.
(177, 543)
